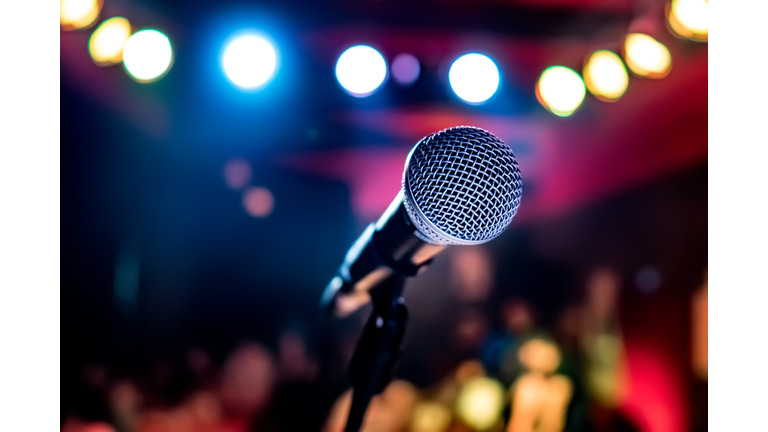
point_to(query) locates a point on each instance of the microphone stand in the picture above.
(373, 362)
(392, 245)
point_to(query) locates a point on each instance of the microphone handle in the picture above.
(391, 246)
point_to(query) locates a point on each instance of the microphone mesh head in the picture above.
(461, 186)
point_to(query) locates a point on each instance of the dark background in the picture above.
(622, 185)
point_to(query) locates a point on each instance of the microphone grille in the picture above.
(462, 186)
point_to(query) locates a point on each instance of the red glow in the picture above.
(655, 401)
(98, 427)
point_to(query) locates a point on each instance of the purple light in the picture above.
(237, 173)
(405, 69)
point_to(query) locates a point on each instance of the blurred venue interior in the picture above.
(219, 158)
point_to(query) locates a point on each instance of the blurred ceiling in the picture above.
(636, 134)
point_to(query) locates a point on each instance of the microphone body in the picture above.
(460, 186)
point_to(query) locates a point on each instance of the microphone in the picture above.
(461, 186)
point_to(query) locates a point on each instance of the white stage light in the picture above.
(474, 78)
(249, 61)
(361, 70)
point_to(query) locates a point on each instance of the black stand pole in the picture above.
(378, 349)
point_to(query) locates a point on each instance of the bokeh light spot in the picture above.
(539, 355)
(690, 19)
(560, 90)
(406, 69)
(237, 173)
(430, 417)
(480, 403)
(258, 202)
(77, 14)
(107, 42)
(361, 70)
(147, 55)
(249, 61)
(646, 56)
(474, 78)
(605, 76)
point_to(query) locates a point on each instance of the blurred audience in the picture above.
(700, 326)
(540, 396)
(471, 270)
(601, 341)
(519, 377)
(294, 361)
(388, 412)
(247, 383)
(499, 351)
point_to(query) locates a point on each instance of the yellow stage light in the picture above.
(605, 76)
(560, 90)
(77, 14)
(106, 44)
(147, 55)
(689, 18)
(646, 56)
(480, 403)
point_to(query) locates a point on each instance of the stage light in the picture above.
(77, 14)
(646, 56)
(147, 55)
(405, 69)
(605, 76)
(689, 19)
(560, 90)
(106, 43)
(474, 78)
(480, 403)
(361, 70)
(249, 61)
(258, 202)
